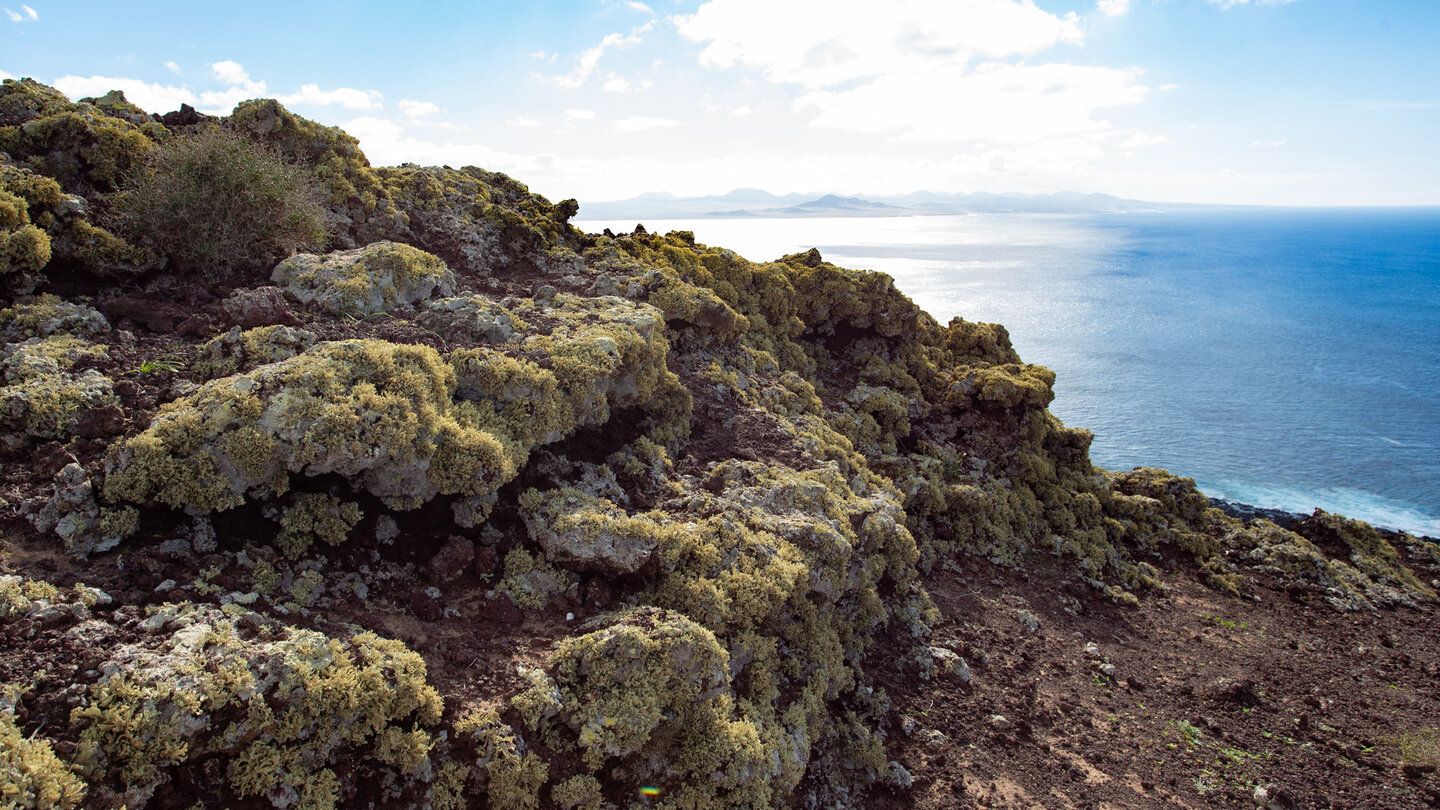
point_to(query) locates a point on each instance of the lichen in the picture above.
(78, 144)
(31, 776)
(315, 516)
(48, 315)
(238, 350)
(395, 420)
(510, 776)
(41, 394)
(283, 703)
(375, 278)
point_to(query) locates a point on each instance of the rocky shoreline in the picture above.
(449, 504)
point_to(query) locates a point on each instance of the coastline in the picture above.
(1288, 520)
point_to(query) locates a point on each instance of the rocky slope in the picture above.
(473, 509)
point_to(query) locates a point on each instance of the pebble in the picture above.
(1000, 722)
(166, 586)
(1028, 619)
(1091, 650)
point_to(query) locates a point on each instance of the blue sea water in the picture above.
(1286, 358)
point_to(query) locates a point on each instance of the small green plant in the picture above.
(1420, 746)
(154, 364)
(1189, 731)
(1225, 623)
(218, 201)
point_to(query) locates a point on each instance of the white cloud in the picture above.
(1165, 88)
(30, 12)
(1140, 140)
(24, 15)
(1004, 103)
(573, 115)
(589, 60)
(233, 74)
(1266, 144)
(239, 87)
(641, 123)
(522, 121)
(347, 97)
(417, 109)
(846, 40)
(173, 67)
(615, 83)
(4, 76)
(1114, 8)
(385, 143)
(638, 6)
(156, 98)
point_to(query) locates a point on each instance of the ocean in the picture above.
(1284, 358)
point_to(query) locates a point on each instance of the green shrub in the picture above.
(216, 200)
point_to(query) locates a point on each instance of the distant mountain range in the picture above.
(750, 202)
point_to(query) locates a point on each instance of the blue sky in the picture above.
(1290, 102)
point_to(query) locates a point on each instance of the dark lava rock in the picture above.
(426, 608)
(451, 561)
(262, 306)
(486, 561)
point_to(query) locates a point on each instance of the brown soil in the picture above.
(1211, 697)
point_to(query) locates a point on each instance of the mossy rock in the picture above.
(400, 422)
(41, 394)
(48, 315)
(31, 776)
(279, 704)
(376, 278)
(80, 145)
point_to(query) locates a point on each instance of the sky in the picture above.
(1277, 102)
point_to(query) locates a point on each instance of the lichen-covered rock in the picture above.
(78, 144)
(23, 247)
(396, 421)
(31, 776)
(235, 350)
(74, 514)
(48, 315)
(481, 221)
(41, 394)
(70, 240)
(280, 705)
(375, 278)
(617, 685)
(584, 533)
(1371, 575)
(472, 319)
(377, 413)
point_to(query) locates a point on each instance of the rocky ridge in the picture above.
(478, 510)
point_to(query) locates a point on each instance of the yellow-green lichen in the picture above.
(31, 776)
(284, 703)
(375, 278)
(315, 516)
(41, 395)
(510, 776)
